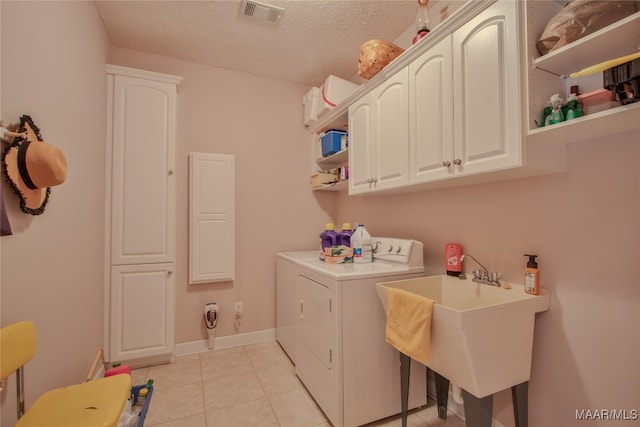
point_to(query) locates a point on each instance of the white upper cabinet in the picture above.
(431, 114)
(143, 183)
(452, 111)
(487, 96)
(361, 165)
(476, 88)
(379, 137)
(391, 132)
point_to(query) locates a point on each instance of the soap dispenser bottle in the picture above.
(452, 254)
(532, 276)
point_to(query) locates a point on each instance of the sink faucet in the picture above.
(482, 276)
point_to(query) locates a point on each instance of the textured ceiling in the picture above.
(312, 40)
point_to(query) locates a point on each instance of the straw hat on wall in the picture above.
(32, 166)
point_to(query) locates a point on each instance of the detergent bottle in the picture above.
(344, 236)
(362, 246)
(328, 238)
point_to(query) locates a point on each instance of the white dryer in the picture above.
(332, 325)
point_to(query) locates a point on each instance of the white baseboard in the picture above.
(201, 346)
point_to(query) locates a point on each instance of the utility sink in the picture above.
(481, 335)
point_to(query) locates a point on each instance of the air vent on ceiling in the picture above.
(261, 10)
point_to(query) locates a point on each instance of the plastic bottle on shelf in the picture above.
(575, 89)
(328, 238)
(556, 115)
(532, 276)
(362, 246)
(572, 108)
(546, 112)
(344, 236)
(422, 21)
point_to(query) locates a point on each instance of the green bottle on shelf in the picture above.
(545, 114)
(572, 107)
(556, 115)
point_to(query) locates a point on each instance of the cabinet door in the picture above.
(211, 217)
(287, 305)
(391, 132)
(431, 114)
(143, 162)
(360, 145)
(142, 311)
(487, 94)
(317, 335)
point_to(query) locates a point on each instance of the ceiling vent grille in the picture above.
(261, 10)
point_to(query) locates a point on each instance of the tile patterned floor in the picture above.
(254, 385)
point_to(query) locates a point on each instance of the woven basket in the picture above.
(375, 55)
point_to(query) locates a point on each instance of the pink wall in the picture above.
(583, 224)
(259, 120)
(53, 56)
(585, 227)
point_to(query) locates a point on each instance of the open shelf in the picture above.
(338, 186)
(624, 118)
(337, 159)
(618, 39)
(550, 74)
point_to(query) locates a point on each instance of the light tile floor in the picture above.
(254, 385)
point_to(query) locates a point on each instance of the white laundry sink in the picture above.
(481, 335)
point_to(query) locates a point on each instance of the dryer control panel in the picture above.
(396, 250)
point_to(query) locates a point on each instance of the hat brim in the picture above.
(32, 201)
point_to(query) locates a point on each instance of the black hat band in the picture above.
(22, 164)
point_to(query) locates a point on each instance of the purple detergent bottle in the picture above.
(344, 236)
(328, 238)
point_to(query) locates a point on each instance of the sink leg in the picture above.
(520, 396)
(442, 395)
(477, 411)
(405, 367)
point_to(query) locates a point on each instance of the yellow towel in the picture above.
(409, 323)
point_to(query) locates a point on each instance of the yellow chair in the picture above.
(94, 403)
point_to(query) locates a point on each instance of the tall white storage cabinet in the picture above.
(141, 216)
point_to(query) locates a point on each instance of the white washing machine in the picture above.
(331, 324)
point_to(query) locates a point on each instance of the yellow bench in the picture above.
(91, 404)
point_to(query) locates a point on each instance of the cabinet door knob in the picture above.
(446, 164)
(457, 162)
(170, 171)
(170, 272)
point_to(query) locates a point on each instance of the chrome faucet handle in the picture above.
(485, 272)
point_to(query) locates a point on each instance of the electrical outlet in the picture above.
(238, 308)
